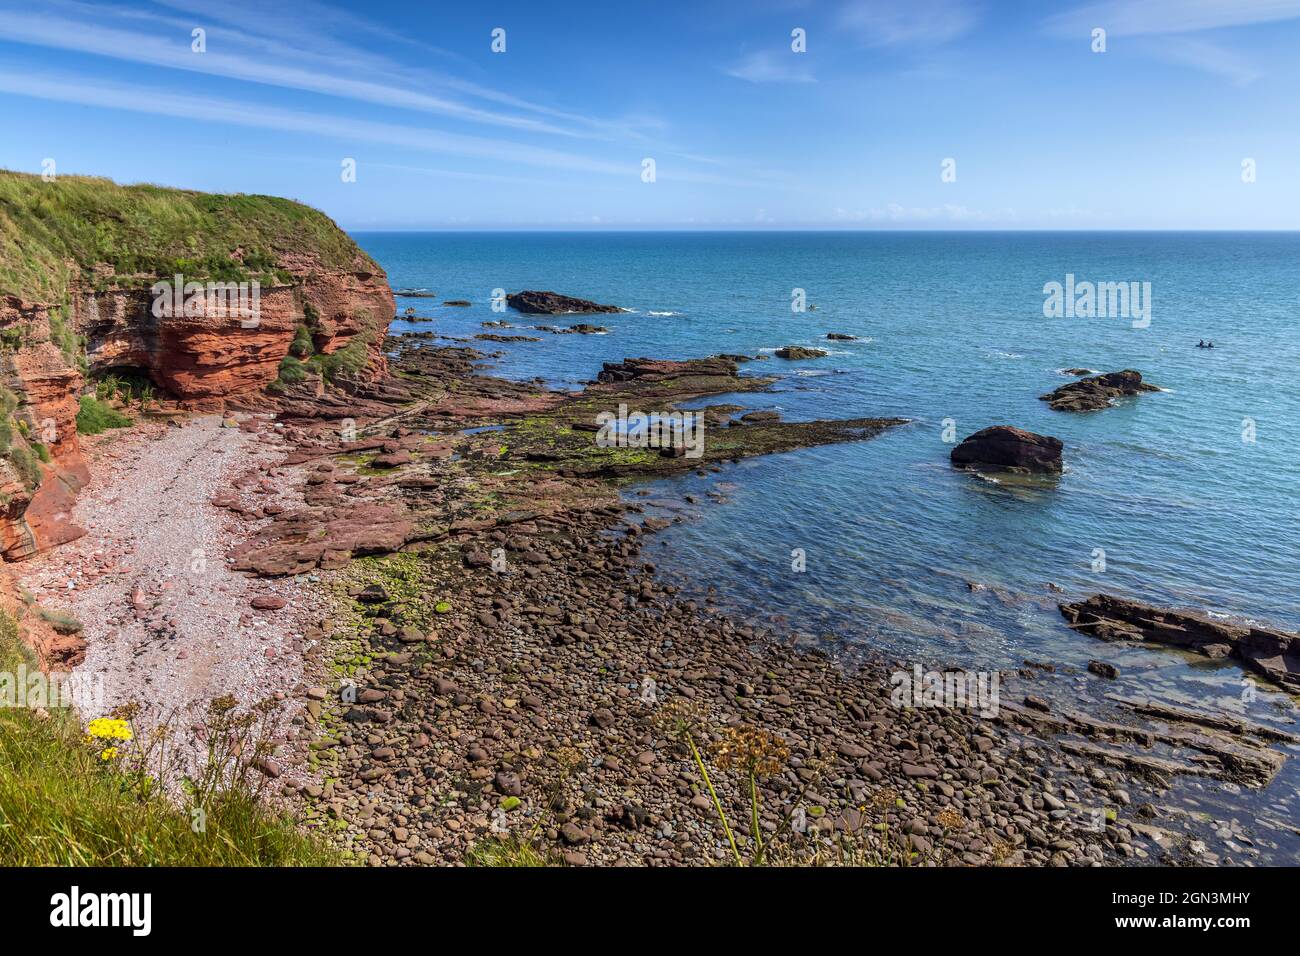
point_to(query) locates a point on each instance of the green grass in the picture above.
(61, 806)
(55, 233)
(96, 417)
(349, 360)
(505, 851)
(26, 464)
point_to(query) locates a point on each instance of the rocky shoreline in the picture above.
(443, 577)
(496, 672)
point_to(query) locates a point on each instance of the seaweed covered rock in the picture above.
(1097, 392)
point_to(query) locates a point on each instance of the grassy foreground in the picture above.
(55, 232)
(61, 805)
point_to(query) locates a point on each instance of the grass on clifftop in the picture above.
(52, 233)
(61, 805)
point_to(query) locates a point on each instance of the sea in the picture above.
(1188, 497)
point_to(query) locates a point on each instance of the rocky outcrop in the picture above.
(581, 328)
(1005, 448)
(796, 352)
(206, 359)
(648, 369)
(1271, 653)
(841, 337)
(1097, 392)
(552, 303)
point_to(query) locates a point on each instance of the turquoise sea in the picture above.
(1192, 493)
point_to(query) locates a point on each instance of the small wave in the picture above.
(652, 312)
(1006, 355)
(1070, 372)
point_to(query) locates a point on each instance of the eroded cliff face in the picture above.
(204, 361)
(208, 360)
(42, 468)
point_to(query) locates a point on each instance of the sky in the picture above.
(896, 114)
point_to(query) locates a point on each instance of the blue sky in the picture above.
(744, 132)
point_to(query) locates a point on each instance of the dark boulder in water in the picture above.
(841, 337)
(1006, 448)
(795, 352)
(1091, 394)
(552, 303)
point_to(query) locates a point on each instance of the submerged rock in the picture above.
(1273, 653)
(552, 303)
(1091, 394)
(841, 337)
(1006, 448)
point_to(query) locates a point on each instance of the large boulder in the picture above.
(552, 303)
(1096, 392)
(1005, 448)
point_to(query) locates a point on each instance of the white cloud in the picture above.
(1147, 17)
(95, 92)
(295, 53)
(1161, 25)
(767, 67)
(889, 23)
(1206, 57)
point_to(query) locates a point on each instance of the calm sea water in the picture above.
(950, 326)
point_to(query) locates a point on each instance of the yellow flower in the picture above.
(108, 753)
(108, 728)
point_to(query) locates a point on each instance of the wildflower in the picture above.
(108, 728)
(127, 712)
(109, 753)
(884, 799)
(755, 752)
(678, 718)
(949, 819)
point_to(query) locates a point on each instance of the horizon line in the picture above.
(813, 229)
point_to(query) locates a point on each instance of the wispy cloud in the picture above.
(898, 213)
(766, 67)
(901, 23)
(1147, 17)
(169, 52)
(301, 53)
(1206, 57)
(1160, 28)
(88, 91)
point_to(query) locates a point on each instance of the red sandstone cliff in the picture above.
(202, 361)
